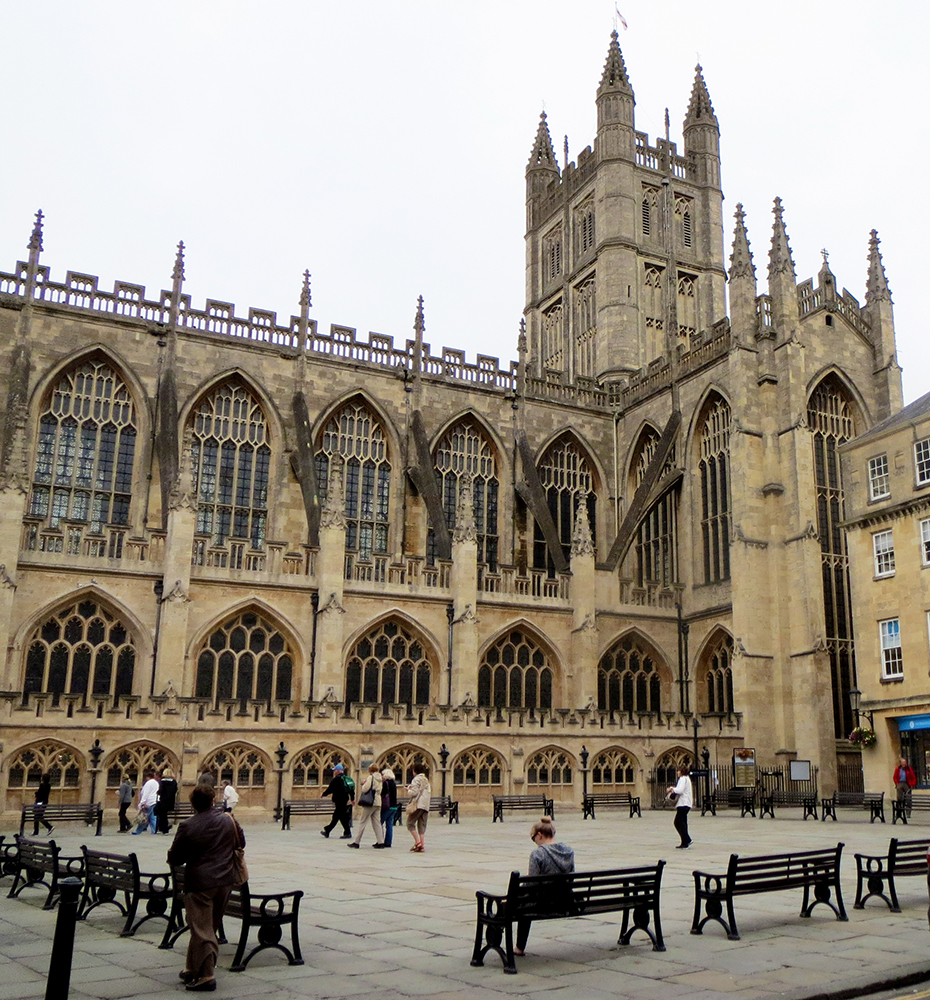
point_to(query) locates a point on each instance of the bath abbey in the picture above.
(244, 544)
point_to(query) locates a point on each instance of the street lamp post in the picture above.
(584, 769)
(95, 753)
(281, 754)
(696, 723)
(705, 758)
(443, 759)
(855, 699)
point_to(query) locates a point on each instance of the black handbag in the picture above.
(367, 798)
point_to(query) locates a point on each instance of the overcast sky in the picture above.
(383, 145)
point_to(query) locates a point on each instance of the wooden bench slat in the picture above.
(539, 802)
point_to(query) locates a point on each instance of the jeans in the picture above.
(387, 822)
(153, 819)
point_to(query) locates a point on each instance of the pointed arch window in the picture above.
(354, 435)
(649, 209)
(656, 547)
(465, 452)
(687, 306)
(718, 676)
(247, 660)
(654, 310)
(552, 253)
(241, 765)
(549, 767)
(85, 449)
(554, 337)
(628, 679)
(62, 765)
(564, 472)
(683, 216)
(133, 761)
(830, 419)
(389, 666)
(515, 673)
(477, 766)
(401, 760)
(612, 767)
(586, 327)
(231, 462)
(313, 768)
(82, 649)
(584, 227)
(715, 491)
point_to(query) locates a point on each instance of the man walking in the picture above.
(342, 789)
(148, 796)
(125, 800)
(904, 779)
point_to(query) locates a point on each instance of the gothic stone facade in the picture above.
(253, 546)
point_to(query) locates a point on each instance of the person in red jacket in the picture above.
(904, 779)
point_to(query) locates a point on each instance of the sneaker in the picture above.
(324, 833)
(685, 847)
(49, 831)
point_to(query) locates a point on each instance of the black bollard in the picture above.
(59, 967)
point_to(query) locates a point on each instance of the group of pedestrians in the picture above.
(157, 799)
(378, 806)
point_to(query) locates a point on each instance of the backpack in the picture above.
(350, 785)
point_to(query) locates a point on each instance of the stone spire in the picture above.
(177, 279)
(614, 77)
(741, 265)
(780, 261)
(542, 155)
(419, 326)
(34, 246)
(35, 241)
(700, 109)
(877, 289)
(582, 544)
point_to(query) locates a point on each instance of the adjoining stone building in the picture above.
(254, 546)
(887, 477)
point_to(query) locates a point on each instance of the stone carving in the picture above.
(588, 625)
(333, 514)
(466, 530)
(181, 496)
(5, 580)
(177, 594)
(468, 615)
(582, 545)
(332, 605)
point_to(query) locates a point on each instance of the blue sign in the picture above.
(909, 722)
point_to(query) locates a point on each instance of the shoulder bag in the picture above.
(240, 868)
(367, 798)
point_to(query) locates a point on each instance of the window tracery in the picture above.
(715, 491)
(564, 472)
(478, 766)
(313, 767)
(656, 547)
(628, 679)
(85, 449)
(388, 666)
(718, 676)
(515, 673)
(613, 767)
(549, 767)
(231, 461)
(133, 761)
(401, 760)
(60, 763)
(243, 766)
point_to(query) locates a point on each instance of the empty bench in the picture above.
(744, 798)
(535, 803)
(812, 871)
(40, 863)
(606, 800)
(304, 807)
(106, 876)
(90, 813)
(634, 892)
(873, 801)
(902, 808)
(878, 872)
(783, 797)
(269, 914)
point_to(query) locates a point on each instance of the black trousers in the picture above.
(343, 815)
(681, 824)
(124, 823)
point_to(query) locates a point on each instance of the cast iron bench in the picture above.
(304, 807)
(777, 796)
(634, 892)
(36, 859)
(535, 803)
(900, 810)
(904, 857)
(623, 799)
(108, 875)
(90, 813)
(269, 914)
(817, 870)
(745, 798)
(709, 804)
(9, 852)
(873, 801)
(440, 804)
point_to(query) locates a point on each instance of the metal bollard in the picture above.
(59, 967)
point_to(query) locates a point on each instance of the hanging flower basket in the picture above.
(862, 736)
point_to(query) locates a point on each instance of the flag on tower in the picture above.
(620, 18)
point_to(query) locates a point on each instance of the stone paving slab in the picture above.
(396, 925)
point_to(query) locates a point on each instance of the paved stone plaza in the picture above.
(396, 924)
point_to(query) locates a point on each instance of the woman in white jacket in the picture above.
(418, 808)
(371, 789)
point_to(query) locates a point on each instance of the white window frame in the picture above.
(922, 462)
(879, 482)
(925, 542)
(889, 638)
(883, 552)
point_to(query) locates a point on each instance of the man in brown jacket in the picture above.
(205, 845)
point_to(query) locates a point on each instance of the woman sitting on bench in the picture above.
(549, 858)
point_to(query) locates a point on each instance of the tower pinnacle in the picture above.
(614, 76)
(741, 265)
(178, 273)
(780, 261)
(700, 109)
(543, 155)
(35, 241)
(877, 289)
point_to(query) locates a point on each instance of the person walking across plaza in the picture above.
(904, 779)
(684, 798)
(148, 797)
(42, 796)
(343, 799)
(388, 805)
(167, 798)
(548, 858)
(230, 797)
(125, 801)
(418, 807)
(369, 801)
(205, 845)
